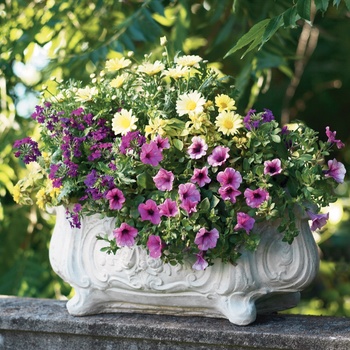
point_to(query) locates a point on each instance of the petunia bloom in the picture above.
(151, 154)
(218, 156)
(155, 246)
(336, 170)
(125, 235)
(161, 142)
(244, 222)
(206, 239)
(200, 177)
(229, 177)
(198, 148)
(168, 208)
(318, 220)
(201, 263)
(149, 211)
(272, 167)
(331, 138)
(229, 193)
(254, 198)
(189, 197)
(116, 199)
(164, 180)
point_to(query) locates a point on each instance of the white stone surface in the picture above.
(130, 281)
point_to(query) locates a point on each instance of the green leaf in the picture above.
(272, 27)
(304, 9)
(336, 2)
(178, 144)
(276, 138)
(290, 17)
(144, 180)
(204, 205)
(254, 35)
(347, 3)
(322, 5)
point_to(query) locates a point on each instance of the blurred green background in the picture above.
(295, 61)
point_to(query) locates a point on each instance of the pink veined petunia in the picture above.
(116, 199)
(336, 170)
(198, 148)
(164, 180)
(151, 154)
(318, 220)
(254, 198)
(155, 246)
(331, 138)
(272, 167)
(206, 239)
(201, 263)
(200, 177)
(229, 177)
(149, 211)
(218, 156)
(189, 196)
(161, 143)
(229, 193)
(168, 208)
(244, 222)
(125, 235)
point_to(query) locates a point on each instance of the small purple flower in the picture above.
(229, 193)
(168, 208)
(331, 138)
(77, 112)
(189, 197)
(254, 198)
(206, 239)
(125, 235)
(131, 141)
(201, 263)
(116, 199)
(218, 156)
(155, 246)
(244, 222)
(198, 148)
(164, 180)
(200, 176)
(272, 167)
(318, 220)
(151, 154)
(229, 177)
(267, 116)
(162, 143)
(28, 150)
(336, 170)
(91, 178)
(248, 120)
(73, 216)
(149, 211)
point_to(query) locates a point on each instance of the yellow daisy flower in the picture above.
(123, 122)
(118, 81)
(188, 60)
(225, 103)
(177, 72)
(116, 64)
(151, 68)
(191, 103)
(86, 94)
(228, 122)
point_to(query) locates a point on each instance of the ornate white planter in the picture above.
(130, 281)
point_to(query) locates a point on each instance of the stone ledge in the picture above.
(45, 324)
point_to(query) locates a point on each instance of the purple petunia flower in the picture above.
(331, 138)
(28, 150)
(168, 208)
(131, 141)
(229, 177)
(161, 143)
(218, 156)
(272, 167)
(336, 170)
(151, 154)
(149, 211)
(244, 222)
(229, 193)
(189, 197)
(116, 199)
(254, 198)
(164, 180)
(206, 239)
(155, 246)
(125, 235)
(201, 263)
(318, 220)
(200, 177)
(198, 148)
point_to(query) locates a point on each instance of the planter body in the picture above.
(263, 281)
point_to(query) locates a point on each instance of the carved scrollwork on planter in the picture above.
(131, 281)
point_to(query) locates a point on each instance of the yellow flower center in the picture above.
(191, 105)
(125, 123)
(228, 124)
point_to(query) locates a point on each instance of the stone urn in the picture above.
(267, 280)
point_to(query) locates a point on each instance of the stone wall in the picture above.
(27, 324)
